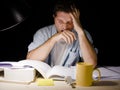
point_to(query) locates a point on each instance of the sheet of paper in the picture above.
(107, 73)
(59, 71)
(114, 68)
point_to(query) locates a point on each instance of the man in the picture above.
(65, 42)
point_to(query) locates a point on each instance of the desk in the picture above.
(62, 85)
(103, 84)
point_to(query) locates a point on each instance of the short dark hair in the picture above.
(65, 6)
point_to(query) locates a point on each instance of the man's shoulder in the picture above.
(46, 30)
(48, 27)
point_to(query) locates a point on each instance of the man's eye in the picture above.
(68, 22)
(60, 22)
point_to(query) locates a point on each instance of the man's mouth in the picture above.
(62, 30)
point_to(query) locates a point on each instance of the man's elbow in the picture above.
(94, 62)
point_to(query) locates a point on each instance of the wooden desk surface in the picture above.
(62, 85)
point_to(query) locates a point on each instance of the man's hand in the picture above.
(76, 18)
(66, 35)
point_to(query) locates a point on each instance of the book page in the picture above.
(114, 68)
(60, 72)
(40, 66)
(106, 73)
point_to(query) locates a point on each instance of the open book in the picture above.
(56, 73)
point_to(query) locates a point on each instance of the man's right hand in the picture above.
(66, 35)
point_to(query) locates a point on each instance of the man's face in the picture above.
(63, 21)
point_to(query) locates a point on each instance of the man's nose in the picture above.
(64, 26)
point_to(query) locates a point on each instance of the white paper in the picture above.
(114, 68)
(60, 71)
(106, 73)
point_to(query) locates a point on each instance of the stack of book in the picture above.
(24, 71)
(16, 72)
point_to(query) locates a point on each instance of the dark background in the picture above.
(99, 18)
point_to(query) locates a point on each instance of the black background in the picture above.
(98, 17)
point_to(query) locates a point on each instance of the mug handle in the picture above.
(99, 74)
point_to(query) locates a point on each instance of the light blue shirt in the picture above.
(67, 57)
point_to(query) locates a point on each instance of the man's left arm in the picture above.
(87, 50)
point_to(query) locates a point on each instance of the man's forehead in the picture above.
(63, 15)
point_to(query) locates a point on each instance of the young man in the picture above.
(65, 42)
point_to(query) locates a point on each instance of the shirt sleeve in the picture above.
(39, 38)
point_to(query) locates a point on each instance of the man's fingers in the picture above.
(67, 37)
(70, 37)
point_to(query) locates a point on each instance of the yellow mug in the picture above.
(84, 74)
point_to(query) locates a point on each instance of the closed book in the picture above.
(21, 75)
